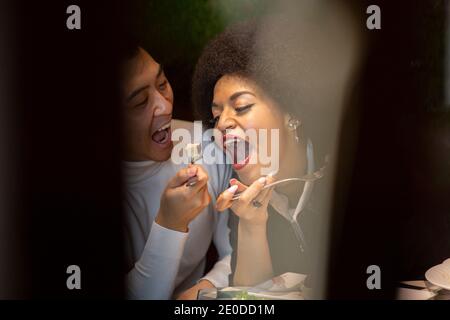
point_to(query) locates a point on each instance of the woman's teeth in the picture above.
(230, 143)
(238, 149)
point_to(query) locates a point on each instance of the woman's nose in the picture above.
(226, 122)
(163, 106)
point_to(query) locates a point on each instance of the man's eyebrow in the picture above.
(136, 92)
(235, 95)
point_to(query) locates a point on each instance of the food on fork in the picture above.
(193, 152)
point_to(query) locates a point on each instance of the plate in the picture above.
(440, 275)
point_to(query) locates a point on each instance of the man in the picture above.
(169, 225)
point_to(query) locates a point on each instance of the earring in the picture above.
(293, 124)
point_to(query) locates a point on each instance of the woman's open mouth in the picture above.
(163, 135)
(238, 149)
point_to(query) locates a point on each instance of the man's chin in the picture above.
(161, 158)
(161, 155)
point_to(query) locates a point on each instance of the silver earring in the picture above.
(293, 124)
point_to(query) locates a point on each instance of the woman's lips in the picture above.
(239, 166)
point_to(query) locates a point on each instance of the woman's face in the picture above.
(239, 105)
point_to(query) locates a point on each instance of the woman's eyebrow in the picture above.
(235, 95)
(160, 70)
(136, 92)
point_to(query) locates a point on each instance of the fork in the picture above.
(307, 177)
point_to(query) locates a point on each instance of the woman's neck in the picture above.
(293, 164)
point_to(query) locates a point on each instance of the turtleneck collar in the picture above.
(136, 172)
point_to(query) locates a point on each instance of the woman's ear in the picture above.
(293, 124)
(287, 117)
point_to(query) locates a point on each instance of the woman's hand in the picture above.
(244, 207)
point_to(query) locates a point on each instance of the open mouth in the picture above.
(162, 135)
(238, 149)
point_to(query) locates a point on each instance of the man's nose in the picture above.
(163, 106)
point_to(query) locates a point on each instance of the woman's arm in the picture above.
(253, 262)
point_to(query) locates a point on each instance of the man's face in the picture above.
(148, 102)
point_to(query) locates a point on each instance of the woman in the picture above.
(236, 89)
(257, 76)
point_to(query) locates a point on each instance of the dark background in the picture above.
(175, 32)
(66, 149)
(65, 184)
(395, 212)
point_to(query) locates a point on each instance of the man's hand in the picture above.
(180, 204)
(191, 293)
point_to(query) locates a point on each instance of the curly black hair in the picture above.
(299, 73)
(230, 52)
(237, 51)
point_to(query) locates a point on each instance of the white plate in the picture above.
(286, 282)
(440, 275)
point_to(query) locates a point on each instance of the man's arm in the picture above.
(219, 274)
(153, 275)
